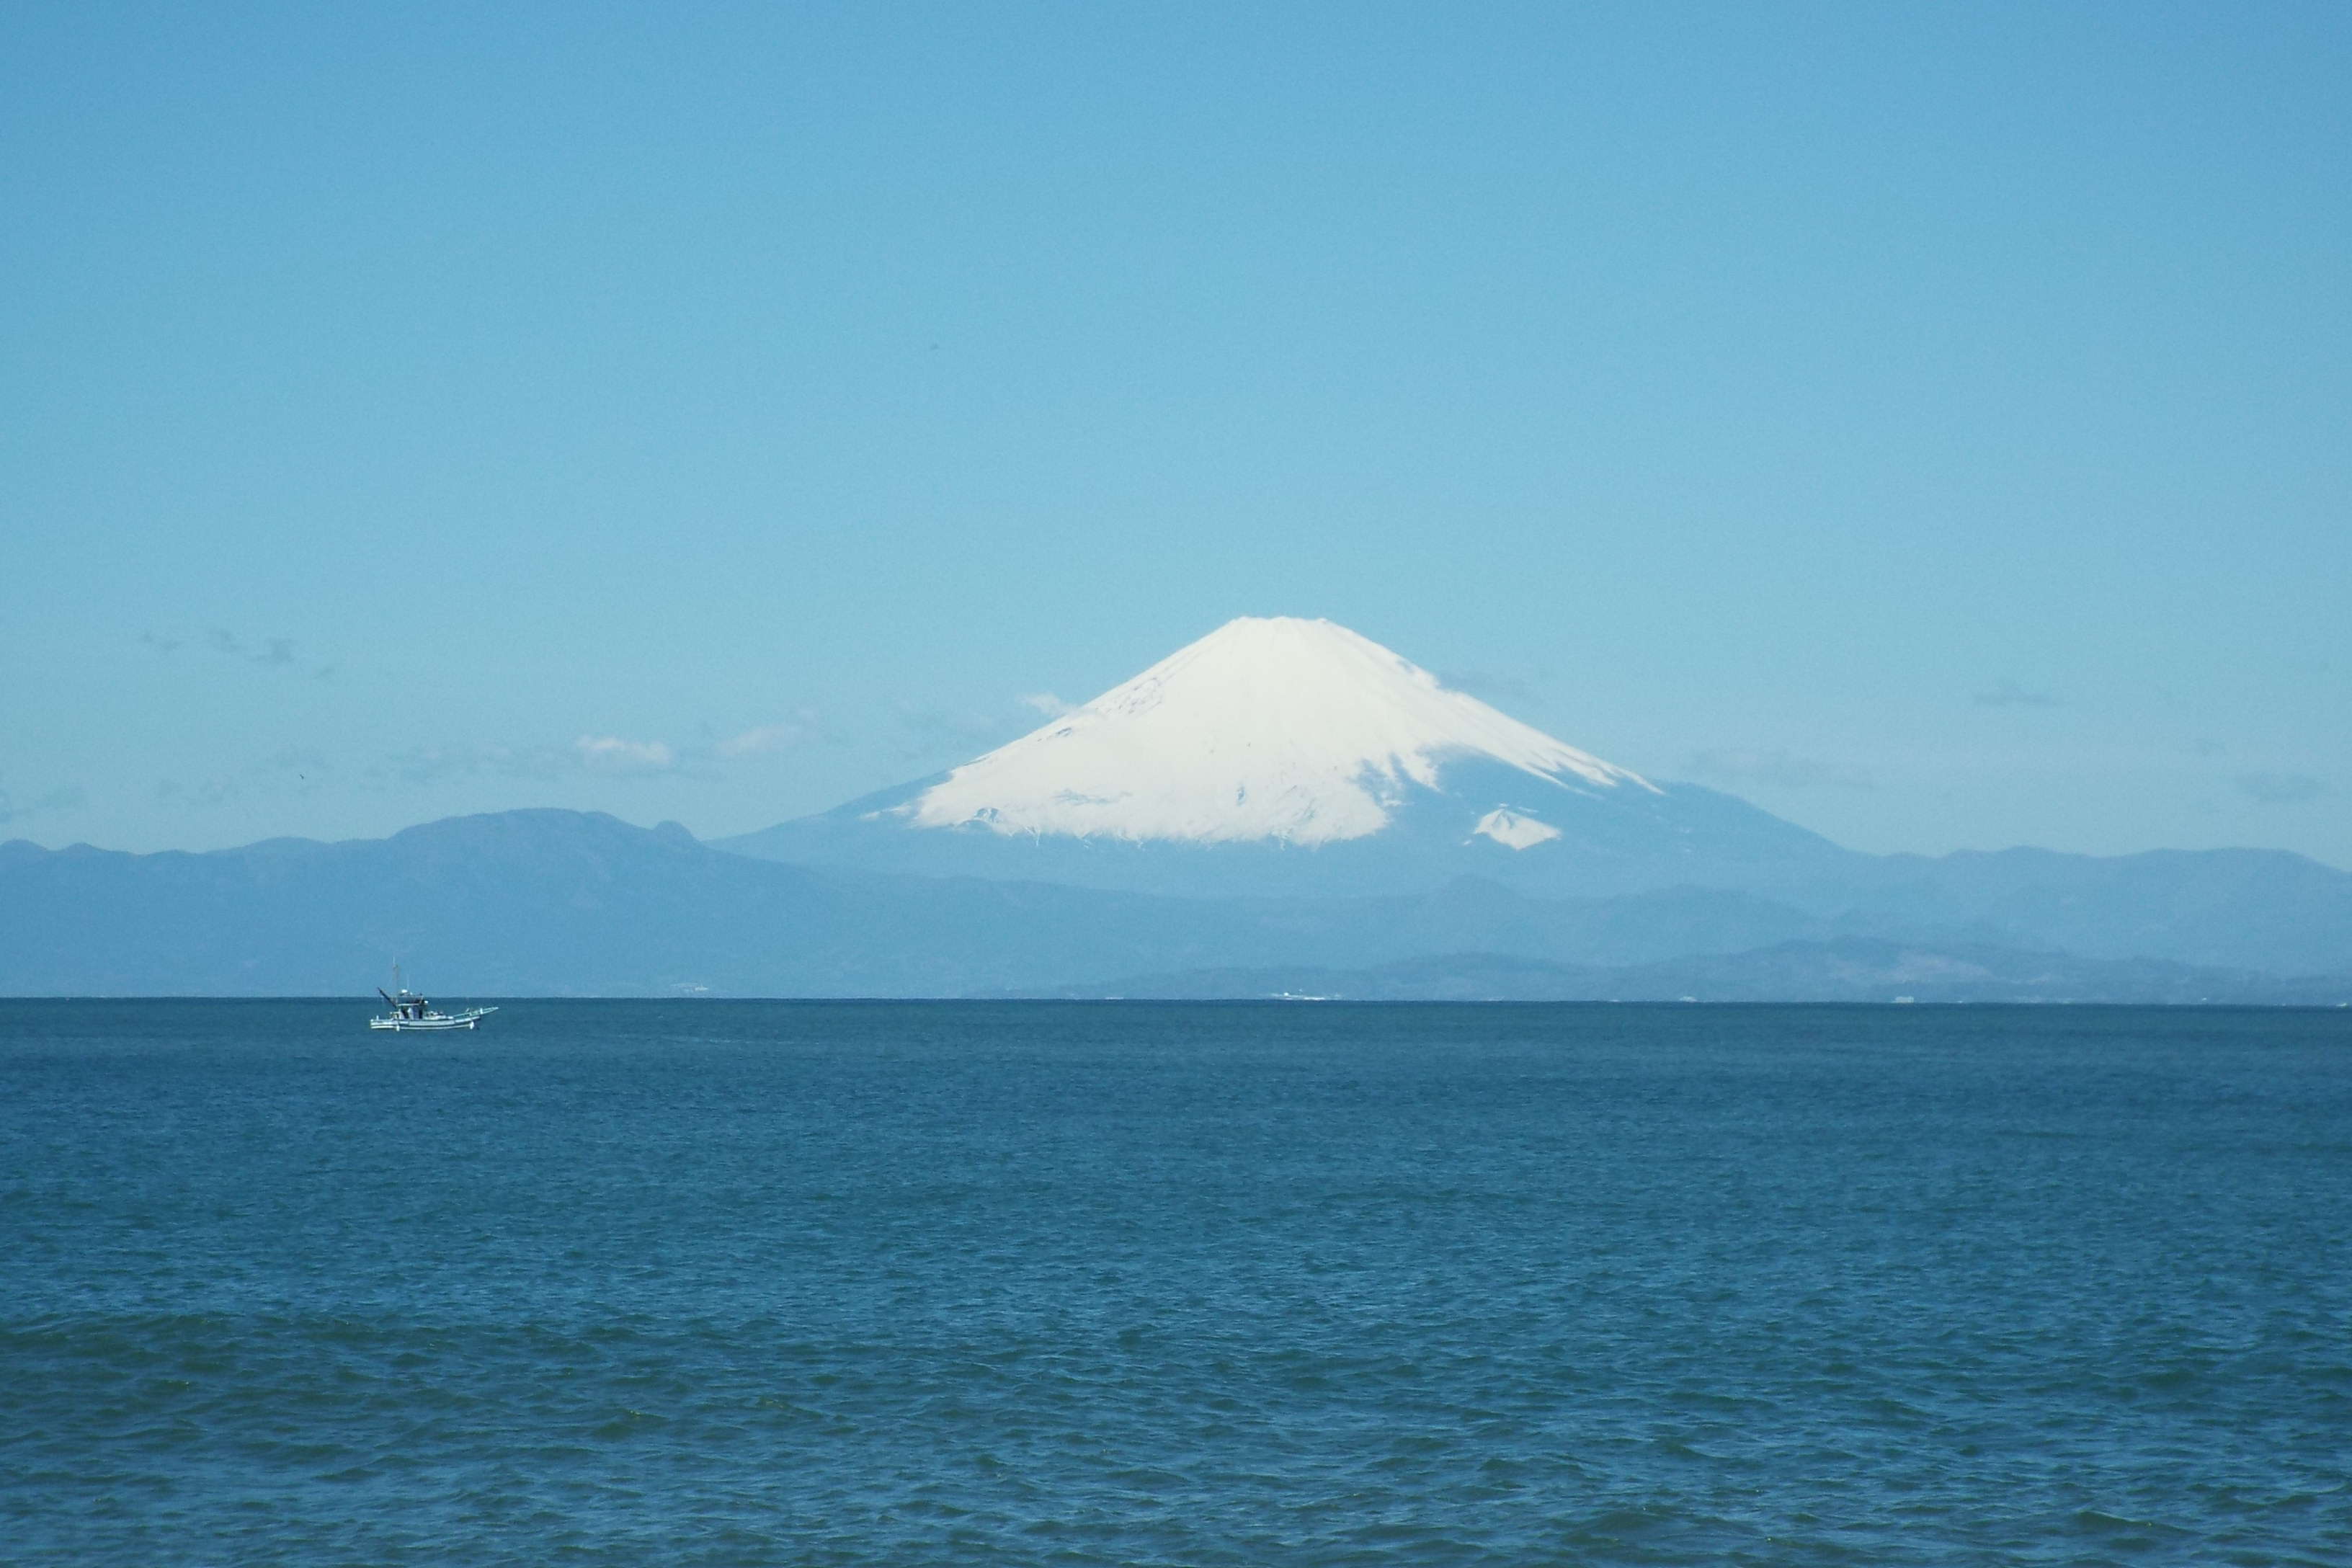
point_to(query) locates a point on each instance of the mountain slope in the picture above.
(1292, 757)
(1267, 730)
(2255, 909)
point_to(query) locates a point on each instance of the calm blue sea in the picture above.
(706, 1283)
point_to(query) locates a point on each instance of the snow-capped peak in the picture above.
(1265, 729)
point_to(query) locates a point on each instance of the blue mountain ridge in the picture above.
(2267, 910)
(559, 903)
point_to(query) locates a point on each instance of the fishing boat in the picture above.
(411, 1011)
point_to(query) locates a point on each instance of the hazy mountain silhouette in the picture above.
(565, 902)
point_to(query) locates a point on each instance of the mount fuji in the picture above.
(1292, 759)
(1286, 756)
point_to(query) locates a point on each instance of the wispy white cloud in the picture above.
(269, 653)
(428, 765)
(933, 734)
(763, 738)
(611, 753)
(2006, 693)
(300, 768)
(757, 738)
(1488, 685)
(606, 754)
(65, 797)
(1045, 702)
(2281, 789)
(203, 792)
(1778, 769)
(274, 653)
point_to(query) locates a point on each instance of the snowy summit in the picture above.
(1268, 729)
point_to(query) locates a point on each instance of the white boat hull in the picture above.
(465, 1020)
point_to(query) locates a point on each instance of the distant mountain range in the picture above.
(1282, 808)
(566, 904)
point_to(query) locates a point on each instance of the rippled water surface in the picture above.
(743, 1283)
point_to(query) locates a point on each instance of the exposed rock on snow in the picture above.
(1514, 831)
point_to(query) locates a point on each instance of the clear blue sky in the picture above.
(1930, 423)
